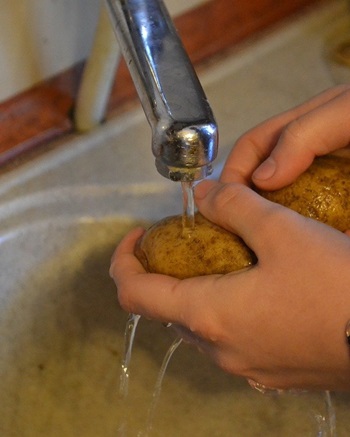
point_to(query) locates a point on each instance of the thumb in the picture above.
(240, 210)
(318, 132)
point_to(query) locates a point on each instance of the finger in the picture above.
(319, 132)
(126, 247)
(256, 145)
(138, 291)
(158, 296)
(203, 345)
(240, 210)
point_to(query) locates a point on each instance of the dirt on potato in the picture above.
(321, 193)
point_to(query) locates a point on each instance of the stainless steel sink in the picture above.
(61, 217)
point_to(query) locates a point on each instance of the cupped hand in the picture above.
(280, 323)
(277, 151)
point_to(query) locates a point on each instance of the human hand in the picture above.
(277, 151)
(280, 323)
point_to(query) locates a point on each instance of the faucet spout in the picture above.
(184, 131)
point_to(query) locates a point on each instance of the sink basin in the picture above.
(61, 327)
(62, 333)
(61, 216)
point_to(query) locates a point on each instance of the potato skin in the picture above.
(322, 192)
(208, 249)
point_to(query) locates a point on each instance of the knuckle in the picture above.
(227, 194)
(272, 224)
(299, 134)
(294, 131)
(227, 365)
(249, 140)
(124, 299)
(200, 324)
(203, 323)
(234, 365)
(274, 216)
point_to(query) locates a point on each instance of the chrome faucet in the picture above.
(184, 131)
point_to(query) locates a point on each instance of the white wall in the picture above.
(39, 38)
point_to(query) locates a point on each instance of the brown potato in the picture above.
(207, 249)
(321, 193)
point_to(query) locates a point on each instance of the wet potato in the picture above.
(321, 193)
(207, 249)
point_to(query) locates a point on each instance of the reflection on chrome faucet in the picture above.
(183, 126)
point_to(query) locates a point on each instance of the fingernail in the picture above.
(266, 170)
(202, 189)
